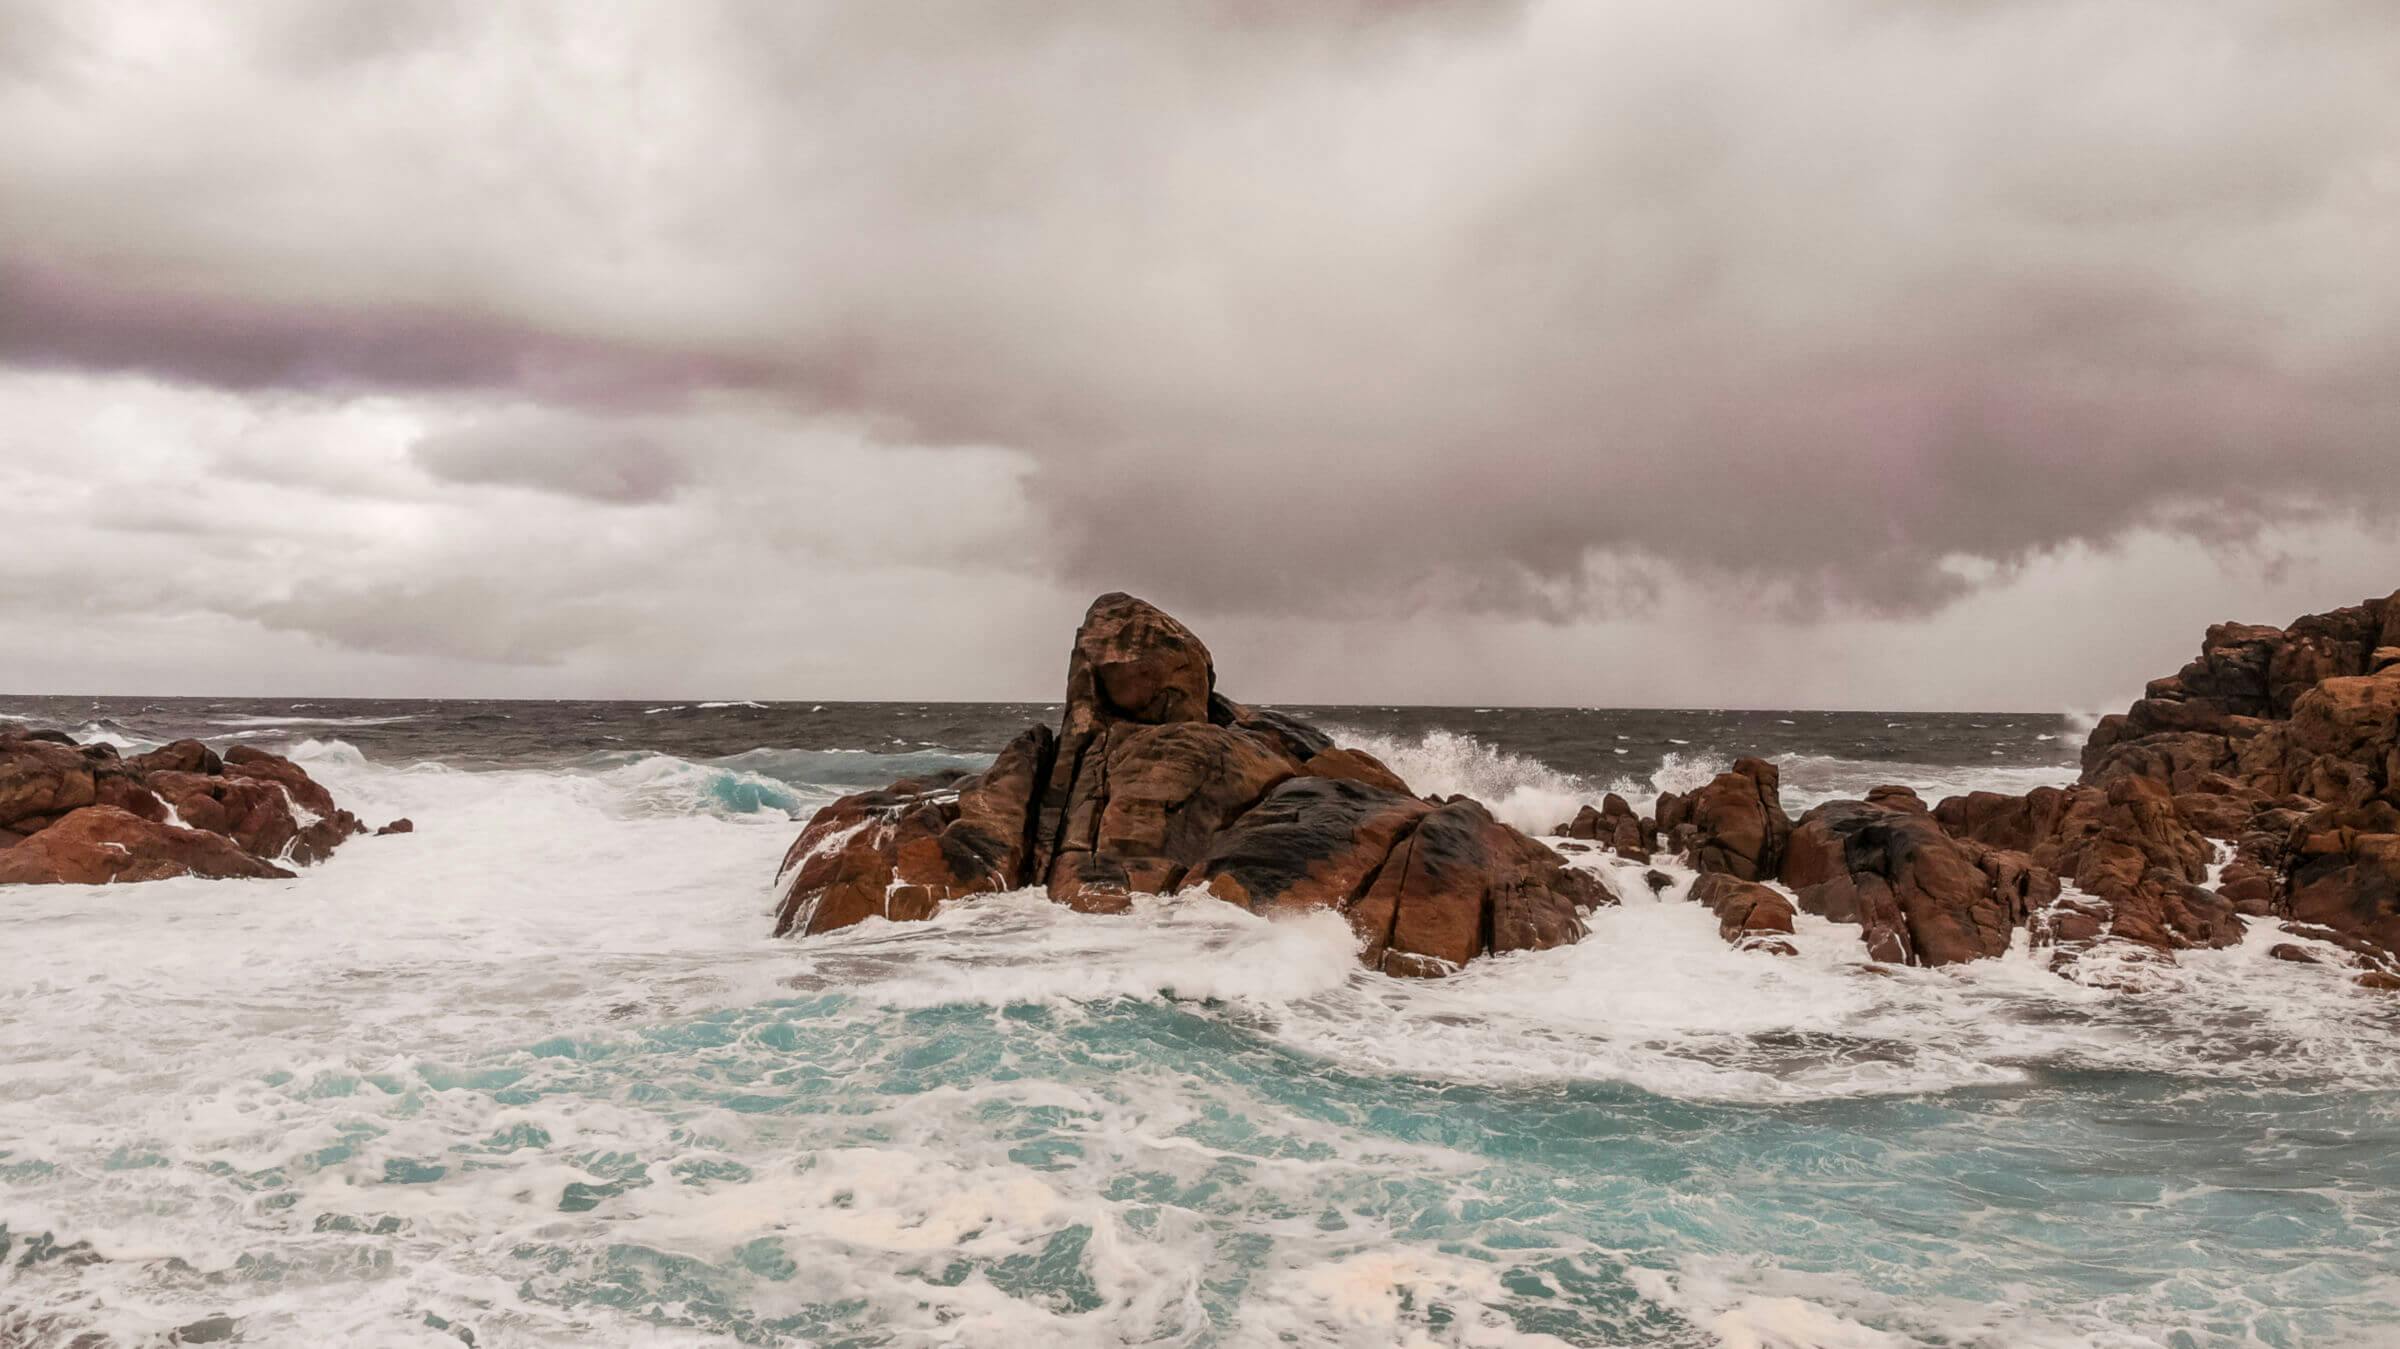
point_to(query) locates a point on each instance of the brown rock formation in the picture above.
(64, 810)
(1749, 915)
(1154, 783)
(1737, 821)
(1919, 896)
(98, 845)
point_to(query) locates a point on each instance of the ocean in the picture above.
(535, 1074)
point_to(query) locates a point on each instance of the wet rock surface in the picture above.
(73, 814)
(1156, 783)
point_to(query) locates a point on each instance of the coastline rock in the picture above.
(1157, 783)
(901, 851)
(198, 813)
(2344, 878)
(1751, 916)
(1737, 820)
(101, 845)
(1918, 896)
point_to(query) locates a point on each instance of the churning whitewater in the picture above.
(533, 1075)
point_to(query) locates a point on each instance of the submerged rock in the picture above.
(1157, 783)
(81, 814)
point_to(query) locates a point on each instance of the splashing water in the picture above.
(534, 1074)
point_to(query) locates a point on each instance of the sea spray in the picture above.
(536, 1073)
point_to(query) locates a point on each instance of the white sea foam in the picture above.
(535, 1068)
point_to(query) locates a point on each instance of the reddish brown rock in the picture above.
(2346, 880)
(1918, 895)
(263, 806)
(1613, 823)
(98, 845)
(1738, 822)
(39, 777)
(1151, 813)
(1749, 915)
(903, 851)
(1353, 765)
(403, 825)
(1461, 885)
(1157, 783)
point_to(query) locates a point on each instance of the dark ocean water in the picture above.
(536, 1074)
(1568, 749)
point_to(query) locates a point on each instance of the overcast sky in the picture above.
(1664, 352)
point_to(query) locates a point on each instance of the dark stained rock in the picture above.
(403, 825)
(1462, 884)
(1157, 783)
(1151, 813)
(903, 851)
(1312, 843)
(97, 845)
(1299, 739)
(1749, 915)
(1353, 765)
(1918, 895)
(1738, 822)
(2345, 879)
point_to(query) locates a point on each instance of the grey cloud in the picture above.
(596, 460)
(1854, 307)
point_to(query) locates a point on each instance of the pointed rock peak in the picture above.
(1135, 662)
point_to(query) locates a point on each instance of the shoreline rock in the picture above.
(73, 814)
(1156, 783)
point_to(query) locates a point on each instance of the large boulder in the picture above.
(903, 851)
(1737, 825)
(100, 845)
(1157, 783)
(1919, 896)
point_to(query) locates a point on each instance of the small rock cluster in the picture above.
(82, 814)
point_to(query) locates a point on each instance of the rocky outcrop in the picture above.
(84, 815)
(1734, 825)
(2135, 861)
(2311, 710)
(2344, 881)
(1919, 896)
(2284, 742)
(1156, 783)
(98, 845)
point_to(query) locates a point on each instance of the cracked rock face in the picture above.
(1156, 783)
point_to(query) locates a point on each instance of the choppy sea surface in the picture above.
(536, 1075)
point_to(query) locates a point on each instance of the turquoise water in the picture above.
(534, 1076)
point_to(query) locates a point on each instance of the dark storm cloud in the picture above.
(1296, 309)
